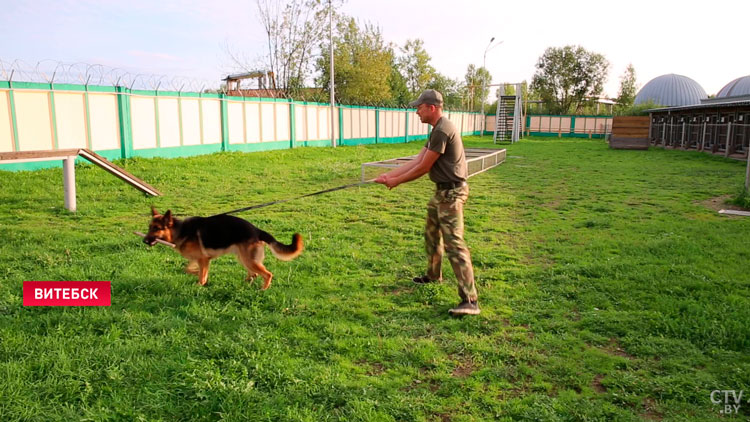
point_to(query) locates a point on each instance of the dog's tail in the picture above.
(282, 251)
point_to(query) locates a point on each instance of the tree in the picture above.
(450, 88)
(294, 30)
(477, 83)
(415, 65)
(400, 95)
(362, 64)
(628, 88)
(566, 76)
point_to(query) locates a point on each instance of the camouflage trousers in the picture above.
(445, 231)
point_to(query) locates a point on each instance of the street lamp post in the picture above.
(484, 83)
(330, 53)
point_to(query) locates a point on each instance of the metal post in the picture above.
(703, 138)
(747, 172)
(69, 183)
(729, 139)
(682, 141)
(484, 84)
(330, 52)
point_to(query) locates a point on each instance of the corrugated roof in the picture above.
(742, 103)
(671, 90)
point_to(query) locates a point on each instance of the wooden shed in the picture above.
(630, 132)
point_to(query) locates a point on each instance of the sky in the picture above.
(706, 41)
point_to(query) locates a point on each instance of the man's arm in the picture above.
(416, 169)
(405, 167)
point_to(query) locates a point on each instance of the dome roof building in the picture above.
(671, 90)
(738, 87)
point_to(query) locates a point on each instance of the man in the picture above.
(443, 157)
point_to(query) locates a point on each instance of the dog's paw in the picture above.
(192, 267)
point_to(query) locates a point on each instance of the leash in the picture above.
(268, 204)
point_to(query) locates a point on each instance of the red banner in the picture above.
(67, 293)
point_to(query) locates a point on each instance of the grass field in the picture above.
(610, 291)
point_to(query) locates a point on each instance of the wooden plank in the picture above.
(735, 212)
(35, 155)
(628, 143)
(119, 172)
(21, 156)
(630, 133)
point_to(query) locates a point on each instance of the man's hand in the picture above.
(390, 182)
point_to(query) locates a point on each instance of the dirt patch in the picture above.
(575, 315)
(613, 348)
(649, 411)
(464, 369)
(596, 384)
(719, 203)
(398, 291)
(442, 417)
(554, 204)
(373, 368)
(528, 331)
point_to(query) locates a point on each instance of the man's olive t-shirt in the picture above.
(446, 141)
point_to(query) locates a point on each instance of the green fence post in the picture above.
(341, 126)
(12, 100)
(179, 116)
(126, 128)
(572, 124)
(156, 116)
(406, 129)
(55, 142)
(224, 123)
(377, 125)
(87, 110)
(293, 125)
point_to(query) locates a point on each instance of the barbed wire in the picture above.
(80, 73)
(56, 72)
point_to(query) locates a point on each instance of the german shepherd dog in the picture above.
(201, 239)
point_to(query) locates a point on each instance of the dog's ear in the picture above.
(154, 213)
(168, 218)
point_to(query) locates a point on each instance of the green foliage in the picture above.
(477, 86)
(637, 110)
(742, 199)
(628, 88)
(566, 76)
(362, 64)
(400, 95)
(609, 292)
(414, 62)
(450, 88)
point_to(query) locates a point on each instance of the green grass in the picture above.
(609, 292)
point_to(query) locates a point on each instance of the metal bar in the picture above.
(729, 139)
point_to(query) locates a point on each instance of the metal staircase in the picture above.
(508, 117)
